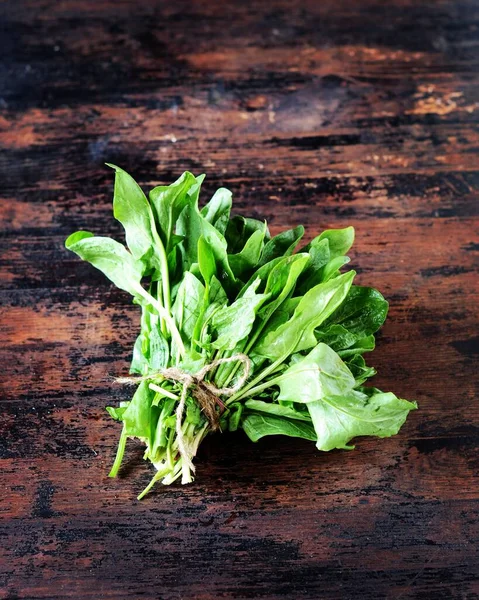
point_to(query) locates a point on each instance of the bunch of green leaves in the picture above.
(211, 286)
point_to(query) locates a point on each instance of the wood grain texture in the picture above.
(323, 113)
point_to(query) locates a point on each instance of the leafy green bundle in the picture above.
(277, 335)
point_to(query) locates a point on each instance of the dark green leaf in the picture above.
(168, 202)
(277, 410)
(258, 425)
(282, 244)
(315, 307)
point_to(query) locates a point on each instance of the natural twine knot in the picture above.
(204, 392)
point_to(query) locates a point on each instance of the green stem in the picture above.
(161, 310)
(160, 300)
(165, 277)
(272, 367)
(119, 454)
(159, 475)
(262, 386)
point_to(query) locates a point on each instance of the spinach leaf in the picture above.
(217, 211)
(188, 304)
(257, 426)
(132, 209)
(137, 416)
(168, 201)
(192, 226)
(314, 307)
(339, 241)
(320, 373)
(234, 323)
(339, 419)
(277, 410)
(247, 259)
(110, 257)
(240, 229)
(362, 313)
(282, 244)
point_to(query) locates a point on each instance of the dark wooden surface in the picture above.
(324, 113)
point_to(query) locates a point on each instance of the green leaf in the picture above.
(217, 293)
(137, 416)
(132, 209)
(158, 352)
(217, 210)
(248, 258)
(320, 373)
(320, 256)
(298, 332)
(234, 322)
(240, 229)
(366, 344)
(332, 269)
(339, 419)
(359, 369)
(343, 341)
(281, 281)
(234, 417)
(257, 426)
(168, 201)
(277, 410)
(116, 413)
(188, 305)
(282, 244)
(339, 241)
(206, 260)
(192, 225)
(362, 313)
(110, 257)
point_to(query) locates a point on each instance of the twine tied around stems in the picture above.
(204, 392)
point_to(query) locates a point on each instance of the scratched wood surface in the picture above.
(324, 113)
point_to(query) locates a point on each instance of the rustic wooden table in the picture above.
(324, 113)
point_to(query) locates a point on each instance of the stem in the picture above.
(261, 387)
(156, 478)
(160, 300)
(272, 367)
(163, 392)
(175, 334)
(165, 277)
(119, 454)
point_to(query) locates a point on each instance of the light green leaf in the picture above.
(240, 229)
(110, 257)
(339, 240)
(320, 373)
(206, 260)
(192, 225)
(339, 419)
(137, 416)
